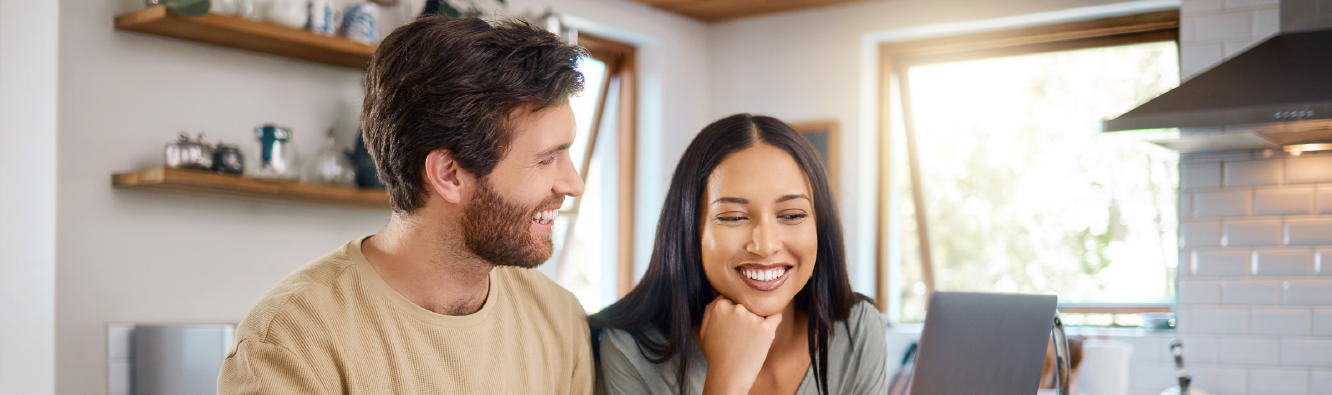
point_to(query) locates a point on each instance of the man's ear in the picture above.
(445, 177)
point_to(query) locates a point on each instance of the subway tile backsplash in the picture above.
(1309, 231)
(1320, 382)
(1218, 379)
(1284, 262)
(1199, 349)
(1283, 201)
(1200, 175)
(1221, 203)
(1308, 169)
(1316, 353)
(1322, 322)
(1251, 292)
(1220, 262)
(1252, 232)
(1248, 351)
(1322, 200)
(1252, 173)
(1313, 292)
(1255, 285)
(1220, 321)
(1199, 291)
(1278, 381)
(1203, 233)
(1323, 261)
(1280, 321)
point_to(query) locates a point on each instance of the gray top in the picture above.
(858, 370)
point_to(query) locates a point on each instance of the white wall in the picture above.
(810, 65)
(28, 63)
(144, 257)
(1255, 299)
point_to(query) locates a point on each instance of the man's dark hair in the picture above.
(454, 83)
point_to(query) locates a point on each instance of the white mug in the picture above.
(324, 17)
(1105, 367)
(290, 13)
(248, 9)
(224, 7)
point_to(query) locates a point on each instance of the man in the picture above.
(470, 125)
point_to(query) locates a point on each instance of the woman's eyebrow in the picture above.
(735, 200)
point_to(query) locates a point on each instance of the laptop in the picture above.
(983, 343)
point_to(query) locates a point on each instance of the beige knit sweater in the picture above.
(335, 327)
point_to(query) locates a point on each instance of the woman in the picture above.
(747, 288)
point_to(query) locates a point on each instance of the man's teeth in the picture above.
(544, 217)
(764, 275)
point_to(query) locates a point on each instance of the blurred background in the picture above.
(166, 162)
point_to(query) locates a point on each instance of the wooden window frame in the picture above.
(621, 66)
(895, 58)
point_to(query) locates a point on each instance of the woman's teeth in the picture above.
(544, 217)
(764, 275)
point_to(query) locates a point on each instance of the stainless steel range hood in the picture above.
(1278, 92)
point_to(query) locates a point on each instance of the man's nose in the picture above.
(569, 183)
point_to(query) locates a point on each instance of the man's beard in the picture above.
(499, 231)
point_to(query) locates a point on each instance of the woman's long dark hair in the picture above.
(674, 291)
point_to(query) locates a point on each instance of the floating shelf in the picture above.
(236, 32)
(177, 180)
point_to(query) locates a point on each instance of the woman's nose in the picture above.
(764, 241)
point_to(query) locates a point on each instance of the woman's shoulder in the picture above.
(865, 315)
(625, 369)
(624, 343)
(858, 351)
(864, 329)
(618, 339)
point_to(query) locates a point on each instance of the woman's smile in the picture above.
(764, 277)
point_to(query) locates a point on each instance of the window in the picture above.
(584, 261)
(1001, 181)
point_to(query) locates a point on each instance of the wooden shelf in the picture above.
(236, 32)
(177, 180)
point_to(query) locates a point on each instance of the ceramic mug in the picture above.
(361, 23)
(224, 7)
(247, 9)
(290, 13)
(323, 17)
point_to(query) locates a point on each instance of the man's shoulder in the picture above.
(305, 290)
(531, 283)
(532, 291)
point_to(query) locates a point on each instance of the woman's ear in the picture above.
(444, 176)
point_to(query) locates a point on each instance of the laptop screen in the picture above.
(983, 343)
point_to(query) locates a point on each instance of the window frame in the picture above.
(621, 66)
(896, 57)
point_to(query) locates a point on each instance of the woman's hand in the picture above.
(735, 342)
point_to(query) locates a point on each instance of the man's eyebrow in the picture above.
(562, 147)
(735, 200)
(792, 197)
